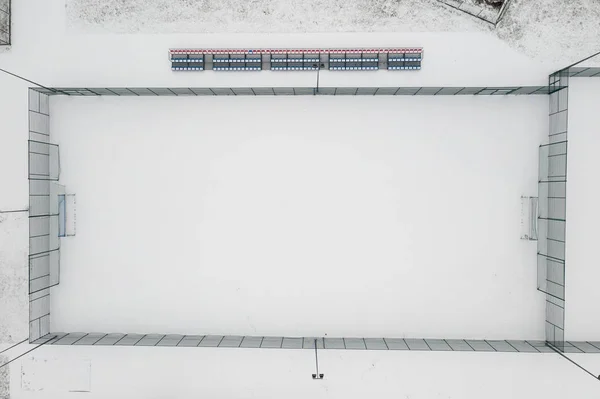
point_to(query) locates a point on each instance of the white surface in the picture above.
(101, 60)
(448, 61)
(299, 215)
(14, 247)
(56, 374)
(181, 16)
(181, 373)
(557, 32)
(582, 274)
(14, 189)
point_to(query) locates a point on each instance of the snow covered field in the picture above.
(300, 216)
(226, 16)
(180, 373)
(551, 31)
(582, 318)
(54, 43)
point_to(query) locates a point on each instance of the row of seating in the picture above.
(245, 60)
(403, 67)
(187, 68)
(198, 60)
(354, 59)
(393, 59)
(230, 68)
(295, 60)
(353, 68)
(293, 68)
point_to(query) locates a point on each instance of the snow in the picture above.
(277, 16)
(300, 216)
(557, 32)
(179, 373)
(76, 46)
(13, 136)
(14, 243)
(582, 320)
(13, 277)
(591, 61)
(447, 57)
(4, 378)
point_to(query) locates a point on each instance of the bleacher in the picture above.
(351, 59)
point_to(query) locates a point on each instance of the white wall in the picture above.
(181, 373)
(582, 274)
(343, 216)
